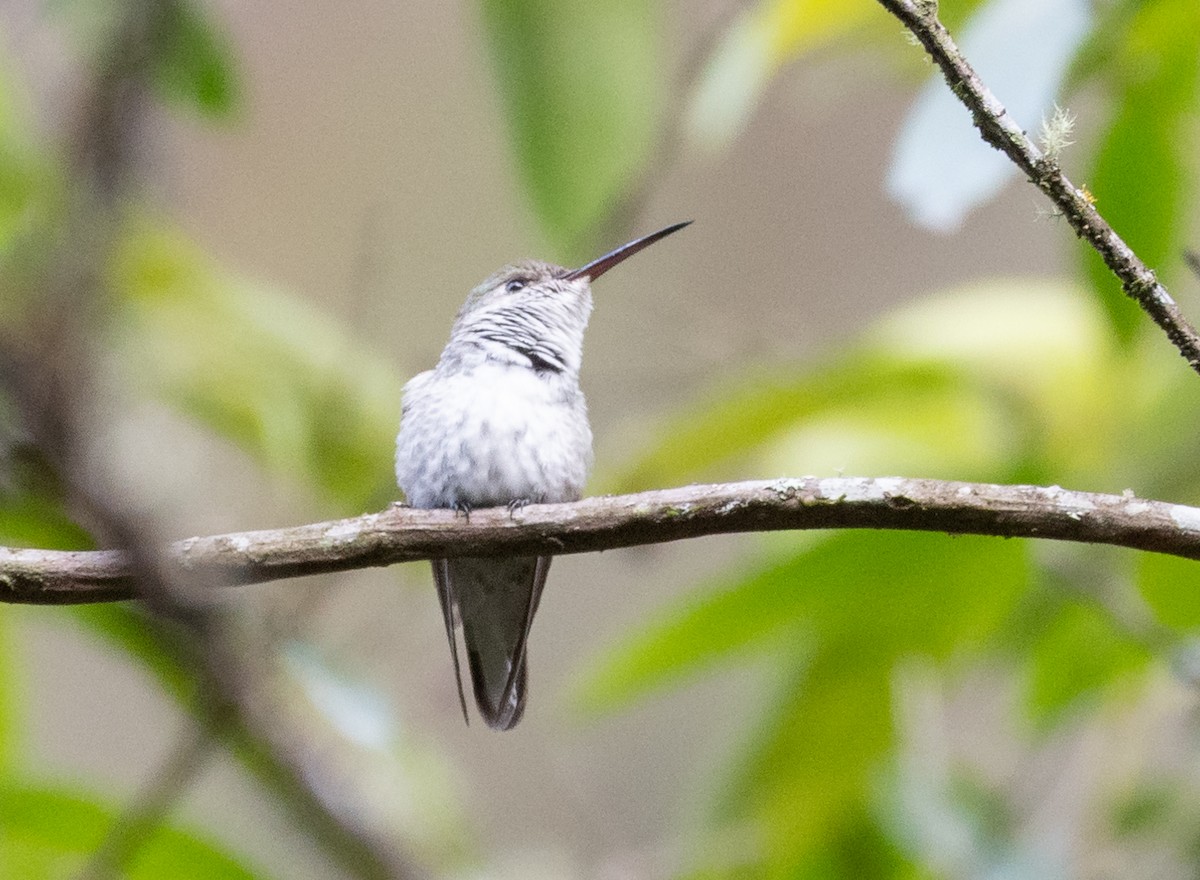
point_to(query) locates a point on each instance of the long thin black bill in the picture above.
(596, 268)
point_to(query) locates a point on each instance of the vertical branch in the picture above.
(47, 368)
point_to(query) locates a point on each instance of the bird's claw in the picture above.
(517, 504)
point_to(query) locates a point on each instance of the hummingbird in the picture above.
(501, 421)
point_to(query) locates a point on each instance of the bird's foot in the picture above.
(517, 504)
(464, 508)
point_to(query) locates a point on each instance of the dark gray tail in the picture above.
(496, 600)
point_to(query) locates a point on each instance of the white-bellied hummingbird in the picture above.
(499, 421)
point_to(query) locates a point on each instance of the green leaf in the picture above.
(1075, 653)
(695, 633)
(195, 62)
(263, 369)
(33, 519)
(28, 184)
(1042, 346)
(582, 83)
(24, 178)
(192, 66)
(968, 381)
(1143, 179)
(33, 516)
(1171, 587)
(808, 775)
(49, 833)
(1147, 807)
(708, 439)
(859, 849)
(839, 616)
(883, 597)
(764, 41)
(890, 591)
(46, 834)
(174, 853)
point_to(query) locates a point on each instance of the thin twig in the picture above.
(401, 534)
(1000, 130)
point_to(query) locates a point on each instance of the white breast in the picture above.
(490, 436)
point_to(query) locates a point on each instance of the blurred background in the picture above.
(231, 231)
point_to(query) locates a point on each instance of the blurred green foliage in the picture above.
(1017, 379)
(967, 384)
(1054, 399)
(258, 367)
(1171, 587)
(1143, 175)
(1075, 650)
(48, 834)
(287, 384)
(195, 66)
(192, 65)
(583, 87)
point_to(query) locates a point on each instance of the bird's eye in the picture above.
(514, 285)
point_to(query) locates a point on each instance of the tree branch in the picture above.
(999, 129)
(401, 534)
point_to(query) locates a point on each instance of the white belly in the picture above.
(492, 436)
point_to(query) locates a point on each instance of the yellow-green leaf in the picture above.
(759, 43)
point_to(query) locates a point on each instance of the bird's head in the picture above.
(535, 313)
